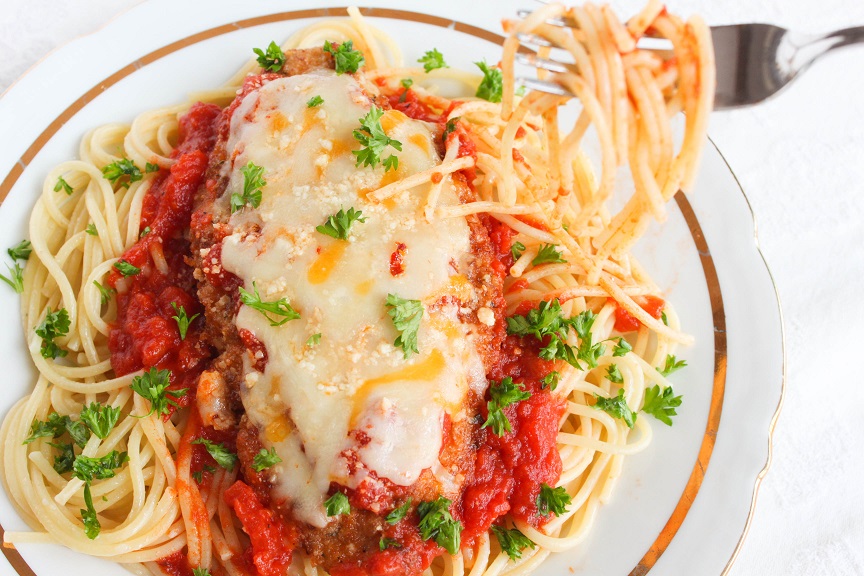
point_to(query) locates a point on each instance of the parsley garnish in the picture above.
(126, 269)
(346, 58)
(492, 85)
(616, 407)
(64, 460)
(661, 405)
(554, 500)
(550, 380)
(122, 168)
(55, 426)
(313, 340)
(182, 320)
(373, 139)
(280, 307)
(520, 91)
(546, 323)
(502, 394)
(105, 293)
(512, 541)
(622, 347)
(437, 522)
(21, 251)
(144, 232)
(664, 318)
(199, 475)
(516, 250)
(100, 419)
(153, 385)
(265, 459)
(149, 168)
(63, 185)
(449, 128)
(91, 230)
(88, 515)
(672, 365)
(314, 101)
(16, 277)
(432, 60)
(87, 469)
(548, 253)
(253, 181)
(200, 572)
(273, 59)
(613, 373)
(385, 543)
(337, 225)
(399, 513)
(406, 316)
(54, 325)
(406, 83)
(224, 457)
(337, 504)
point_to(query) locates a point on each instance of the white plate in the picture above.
(682, 505)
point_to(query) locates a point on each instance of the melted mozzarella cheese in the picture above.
(351, 404)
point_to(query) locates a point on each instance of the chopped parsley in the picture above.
(253, 182)
(126, 269)
(199, 475)
(397, 514)
(55, 427)
(622, 347)
(437, 522)
(20, 251)
(661, 405)
(88, 469)
(144, 232)
(91, 230)
(123, 169)
(406, 83)
(664, 318)
(337, 225)
(373, 139)
(613, 373)
(432, 60)
(672, 365)
(200, 572)
(182, 319)
(54, 325)
(63, 185)
(270, 310)
(346, 58)
(512, 541)
(516, 250)
(15, 278)
(153, 385)
(616, 407)
(406, 316)
(546, 323)
(337, 504)
(223, 457)
(88, 515)
(550, 380)
(548, 253)
(272, 59)
(313, 340)
(64, 460)
(385, 543)
(149, 168)
(554, 500)
(100, 419)
(492, 86)
(449, 128)
(502, 394)
(314, 101)
(265, 459)
(104, 293)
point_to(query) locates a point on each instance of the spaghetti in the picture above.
(534, 179)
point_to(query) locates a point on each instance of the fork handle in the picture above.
(809, 48)
(846, 37)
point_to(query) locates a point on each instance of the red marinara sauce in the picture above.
(626, 322)
(271, 539)
(145, 333)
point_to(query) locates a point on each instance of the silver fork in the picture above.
(754, 61)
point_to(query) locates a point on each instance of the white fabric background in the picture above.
(800, 158)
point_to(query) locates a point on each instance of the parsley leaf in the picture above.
(616, 407)
(399, 513)
(88, 469)
(253, 182)
(450, 127)
(664, 318)
(516, 250)
(182, 320)
(622, 347)
(314, 101)
(91, 230)
(126, 269)
(520, 91)
(672, 365)
(280, 307)
(492, 86)
(20, 251)
(373, 139)
(88, 515)
(554, 500)
(502, 394)
(199, 475)
(437, 522)
(273, 59)
(144, 232)
(15, 279)
(385, 543)
(337, 504)
(406, 83)
(224, 457)
(432, 60)
(149, 168)
(200, 572)
(346, 58)
(546, 323)
(613, 373)
(313, 340)
(54, 325)
(661, 405)
(550, 380)
(406, 316)
(265, 459)
(55, 426)
(100, 419)
(122, 168)
(337, 225)
(153, 385)
(64, 460)
(512, 541)
(63, 185)
(104, 292)
(548, 253)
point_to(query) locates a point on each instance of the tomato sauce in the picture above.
(626, 322)
(272, 540)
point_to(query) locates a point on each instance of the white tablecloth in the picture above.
(800, 158)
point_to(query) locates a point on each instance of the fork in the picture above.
(754, 61)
